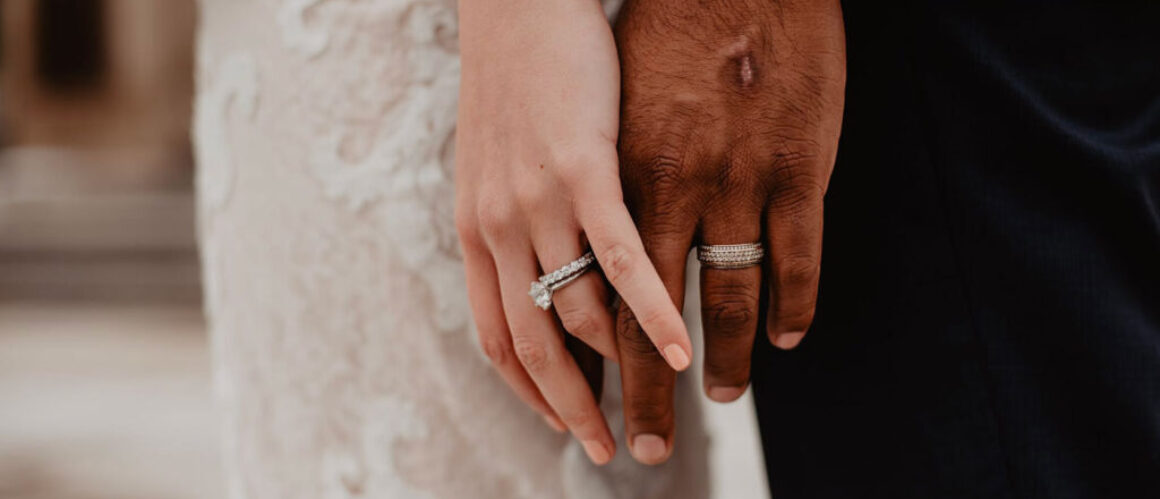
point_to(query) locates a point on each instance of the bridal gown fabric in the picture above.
(346, 362)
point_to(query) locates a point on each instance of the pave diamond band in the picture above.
(549, 283)
(730, 256)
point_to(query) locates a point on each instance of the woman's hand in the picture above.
(537, 184)
(729, 132)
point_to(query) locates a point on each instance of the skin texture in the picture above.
(537, 183)
(730, 119)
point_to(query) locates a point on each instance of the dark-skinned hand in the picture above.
(730, 116)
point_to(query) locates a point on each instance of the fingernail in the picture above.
(596, 452)
(725, 393)
(676, 357)
(786, 341)
(649, 449)
(555, 423)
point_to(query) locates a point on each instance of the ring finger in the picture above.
(581, 305)
(729, 301)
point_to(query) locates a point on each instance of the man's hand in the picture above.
(730, 118)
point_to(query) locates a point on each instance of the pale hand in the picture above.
(537, 184)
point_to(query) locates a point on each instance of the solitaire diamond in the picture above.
(542, 288)
(541, 294)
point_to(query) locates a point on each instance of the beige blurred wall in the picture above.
(96, 182)
(144, 100)
(104, 370)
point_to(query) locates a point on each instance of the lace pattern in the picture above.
(344, 357)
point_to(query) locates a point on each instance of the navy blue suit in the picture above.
(989, 312)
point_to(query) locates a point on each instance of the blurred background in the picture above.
(104, 372)
(105, 386)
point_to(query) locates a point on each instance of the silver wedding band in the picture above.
(730, 256)
(549, 283)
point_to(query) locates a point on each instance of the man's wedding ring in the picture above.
(730, 256)
(549, 283)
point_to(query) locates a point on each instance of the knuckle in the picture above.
(532, 353)
(617, 262)
(580, 323)
(467, 227)
(658, 169)
(465, 219)
(796, 282)
(665, 173)
(796, 273)
(733, 176)
(659, 184)
(800, 193)
(650, 412)
(532, 198)
(496, 216)
(795, 319)
(497, 350)
(730, 317)
(666, 221)
(663, 191)
(634, 344)
(730, 303)
(731, 369)
(652, 320)
(580, 418)
(794, 148)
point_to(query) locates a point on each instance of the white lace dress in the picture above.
(345, 358)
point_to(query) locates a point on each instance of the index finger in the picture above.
(621, 254)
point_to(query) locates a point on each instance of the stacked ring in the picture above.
(730, 256)
(549, 283)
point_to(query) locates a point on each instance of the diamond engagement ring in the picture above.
(542, 289)
(730, 256)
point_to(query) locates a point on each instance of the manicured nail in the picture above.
(649, 449)
(596, 452)
(676, 357)
(555, 423)
(725, 393)
(787, 341)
